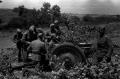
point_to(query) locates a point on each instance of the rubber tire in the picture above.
(70, 50)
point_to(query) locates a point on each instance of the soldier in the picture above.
(40, 30)
(38, 47)
(104, 46)
(54, 39)
(55, 27)
(17, 39)
(28, 37)
(67, 22)
(48, 36)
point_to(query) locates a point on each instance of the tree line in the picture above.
(44, 16)
(41, 17)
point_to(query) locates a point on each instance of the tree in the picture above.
(46, 6)
(56, 12)
(21, 10)
(32, 17)
(45, 17)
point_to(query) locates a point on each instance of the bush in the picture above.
(17, 22)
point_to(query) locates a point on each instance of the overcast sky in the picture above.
(71, 6)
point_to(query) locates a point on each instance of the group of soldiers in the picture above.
(34, 41)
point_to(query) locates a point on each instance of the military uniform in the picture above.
(37, 47)
(104, 47)
(17, 39)
(48, 37)
(28, 37)
(55, 28)
(39, 30)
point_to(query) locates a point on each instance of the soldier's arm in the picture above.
(23, 37)
(14, 38)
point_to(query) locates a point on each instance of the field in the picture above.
(8, 54)
(6, 15)
(8, 48)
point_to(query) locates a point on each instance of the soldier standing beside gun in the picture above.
(104, 46)
(28, 37)
(55, 30)
(17, 39)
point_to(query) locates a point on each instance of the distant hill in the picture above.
(92, 15)
(6, 15)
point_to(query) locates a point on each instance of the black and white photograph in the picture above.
(59, 39)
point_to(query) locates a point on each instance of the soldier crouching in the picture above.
(38, 47)
(104, 46)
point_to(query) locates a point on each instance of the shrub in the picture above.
(17, 22)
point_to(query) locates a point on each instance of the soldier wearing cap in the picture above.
(17, 39)
(104, 46)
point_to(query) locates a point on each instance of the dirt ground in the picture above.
(6, 39)
(6, 42)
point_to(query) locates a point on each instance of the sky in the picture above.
(70, 6)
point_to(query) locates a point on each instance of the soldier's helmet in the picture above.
(48, 33)
(40, 30)
(32, 28)
(53, 35)
(40, 35)
(19, 30)
(56, 21)
(51, 25)
(102, 29)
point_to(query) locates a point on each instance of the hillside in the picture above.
(6, 15)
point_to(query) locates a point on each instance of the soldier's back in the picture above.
(36, 45)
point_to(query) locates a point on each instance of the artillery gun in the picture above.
(74, 52)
